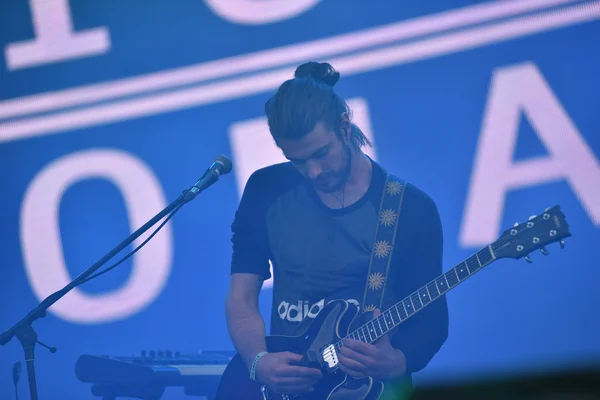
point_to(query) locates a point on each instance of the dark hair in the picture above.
(308, 98)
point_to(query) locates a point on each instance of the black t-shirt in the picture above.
(321, 254)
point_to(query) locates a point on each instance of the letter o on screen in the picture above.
(42, 246)
(253, 12)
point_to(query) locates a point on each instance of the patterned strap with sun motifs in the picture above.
(383, 244)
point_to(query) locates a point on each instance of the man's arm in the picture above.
(249, 268)
(246, 325)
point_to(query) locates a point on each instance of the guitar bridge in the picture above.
(330, 356)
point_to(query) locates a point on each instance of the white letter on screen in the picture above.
(257, 12)
(55, 40)
(515, 89)
(42, 245)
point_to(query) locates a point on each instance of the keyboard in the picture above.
(147, 375)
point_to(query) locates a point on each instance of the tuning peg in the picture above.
(562, 244)
(515, 225)
(544, 251)
(532, 217)
(528, 259)
(547, 209)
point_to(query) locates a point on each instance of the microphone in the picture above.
(221, 165)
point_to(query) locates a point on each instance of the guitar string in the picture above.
(381, 318)
(474, 257)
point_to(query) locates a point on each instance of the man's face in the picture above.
(320, 156)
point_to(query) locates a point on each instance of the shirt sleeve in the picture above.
(421, 336)
(249, 233)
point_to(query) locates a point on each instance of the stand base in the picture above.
(28, 337)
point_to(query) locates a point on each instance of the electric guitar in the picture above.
(320, 344)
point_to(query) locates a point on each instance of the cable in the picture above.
(16, 376)
(89, 278)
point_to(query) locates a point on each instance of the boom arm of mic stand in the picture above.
(23, 329)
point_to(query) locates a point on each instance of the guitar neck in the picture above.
(421, 298)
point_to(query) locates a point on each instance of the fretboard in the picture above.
(416, 301)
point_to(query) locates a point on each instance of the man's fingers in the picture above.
(295, 370)
(292, 369)
(348, 353)
(289, 356)
(361, 347)
(351, 364)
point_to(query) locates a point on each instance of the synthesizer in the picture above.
(147, 375)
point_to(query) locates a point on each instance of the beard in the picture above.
(335, 181)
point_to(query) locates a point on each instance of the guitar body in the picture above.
(331, 325)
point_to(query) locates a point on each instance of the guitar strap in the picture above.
(383, 242)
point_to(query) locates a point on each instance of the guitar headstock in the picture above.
(535, 234)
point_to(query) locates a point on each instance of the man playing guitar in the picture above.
(315, 218)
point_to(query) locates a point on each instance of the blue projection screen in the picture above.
(109, 109)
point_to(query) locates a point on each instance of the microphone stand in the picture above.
(23, 329)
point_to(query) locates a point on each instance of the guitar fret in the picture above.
(387, 328)
(380, 327)
(462, 272)
(492, 254)
(428, 294)
(410, 310)
(477, 256)
(377, 332)
(419, 304)
(424, 295)
(405, 315)
(467, 265)
(487, 255)
(398, 316)
(365, 333)
(438, 287)
(473, 266)
(382, 317)
(371, 330)
(452, 278)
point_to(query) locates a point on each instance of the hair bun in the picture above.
(323, 72)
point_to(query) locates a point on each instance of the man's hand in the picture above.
(380, 360)
(274, 371)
